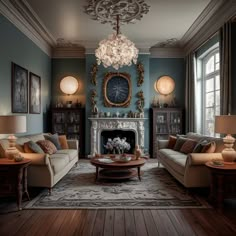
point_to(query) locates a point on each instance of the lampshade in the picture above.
(164, 85)
(69, 85)
(225, 124)
(12, 124)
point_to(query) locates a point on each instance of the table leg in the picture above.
(25, 187)
(220, 192)
(19, 188)
(96, 174)
(139, 173)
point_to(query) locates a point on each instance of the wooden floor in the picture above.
(117, 222)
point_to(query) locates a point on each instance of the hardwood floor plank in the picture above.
(119, 223)
(180, 223)
(109, 223)
(99, 223)
(80, 220)
(130, 229)
(89, 223)
(55, 227)
(150, 224)
(140, 223)
(163, 223)
(194, 222)
(12, 222)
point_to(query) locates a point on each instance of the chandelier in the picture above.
(117, 50)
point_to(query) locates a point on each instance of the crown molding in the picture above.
(20, 14)
(68, 52)
(222, 12)
(167, 52)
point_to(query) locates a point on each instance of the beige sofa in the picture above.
(189, 169)
(46, 170)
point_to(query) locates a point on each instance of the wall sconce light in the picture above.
(165, 85)
(69, 85)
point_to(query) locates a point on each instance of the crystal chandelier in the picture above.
(116, 51)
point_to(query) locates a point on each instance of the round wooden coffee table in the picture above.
(118, 170)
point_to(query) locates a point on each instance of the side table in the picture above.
(223, 183)
(13, 179)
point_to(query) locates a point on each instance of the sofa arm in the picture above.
(162, 144)
(196, 159)
(37, 158)
(73, 143)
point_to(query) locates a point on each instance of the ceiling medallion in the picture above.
(117, 50)
(106, 11)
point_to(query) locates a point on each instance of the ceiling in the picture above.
(167, 19)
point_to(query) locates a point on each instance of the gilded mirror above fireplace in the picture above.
(117, 89)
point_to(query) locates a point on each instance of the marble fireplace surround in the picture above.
(101, 124)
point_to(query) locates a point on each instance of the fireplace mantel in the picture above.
(115, 123)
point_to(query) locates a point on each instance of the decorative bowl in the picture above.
(123, 159)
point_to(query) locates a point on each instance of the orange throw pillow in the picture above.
(172, 142)
(63, 141)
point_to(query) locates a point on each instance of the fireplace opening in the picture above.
(128, 134)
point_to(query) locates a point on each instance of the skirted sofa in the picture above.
(189, 168)
(45, 169)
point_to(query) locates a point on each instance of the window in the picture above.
(208, 90)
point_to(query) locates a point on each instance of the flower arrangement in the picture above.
(117, 145)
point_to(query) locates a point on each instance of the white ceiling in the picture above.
(166, 19)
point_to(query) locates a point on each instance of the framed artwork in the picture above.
(34, 94)
(117, 89)
(19, 89)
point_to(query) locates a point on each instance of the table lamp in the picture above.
(11, 125)
(226, 124)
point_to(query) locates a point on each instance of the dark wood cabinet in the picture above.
(70, 122)
(164, 122)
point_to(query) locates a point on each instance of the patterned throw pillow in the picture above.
(172, 141)
(188, 146)
(63, 142)
(47, 146)
(179, 143)
(209, 147)
(54, 139)
(32, 147)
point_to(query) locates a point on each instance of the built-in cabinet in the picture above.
(70, 122)
(164, 122)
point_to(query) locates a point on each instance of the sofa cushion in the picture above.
(179, 143)
(47, 146)
(63, 141)
(32, 147)
(58, 162)
(172, 141)
(54, 139)
(188, 146)
(72, 153)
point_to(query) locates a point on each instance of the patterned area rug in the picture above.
(78, 190)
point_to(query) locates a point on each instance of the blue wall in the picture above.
(17, 48)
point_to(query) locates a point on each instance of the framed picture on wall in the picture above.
(19, 89)
(34, 94)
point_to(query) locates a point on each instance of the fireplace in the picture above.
(129, 135)
(115, 125)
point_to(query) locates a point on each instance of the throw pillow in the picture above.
(32, 147)
(179, 143)
(172, 142)
(188, 146)
(54, 139)
(210, 147)
(198, 148)
(63, 141)
(47, 146)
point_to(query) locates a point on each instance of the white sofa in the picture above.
(46, 170)
(189, 169)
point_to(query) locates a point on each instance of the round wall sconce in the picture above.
(164, 85)
(69, 85)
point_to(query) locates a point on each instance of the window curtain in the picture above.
(190, 93)
(225, 68)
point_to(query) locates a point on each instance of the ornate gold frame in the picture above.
(108, 77)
